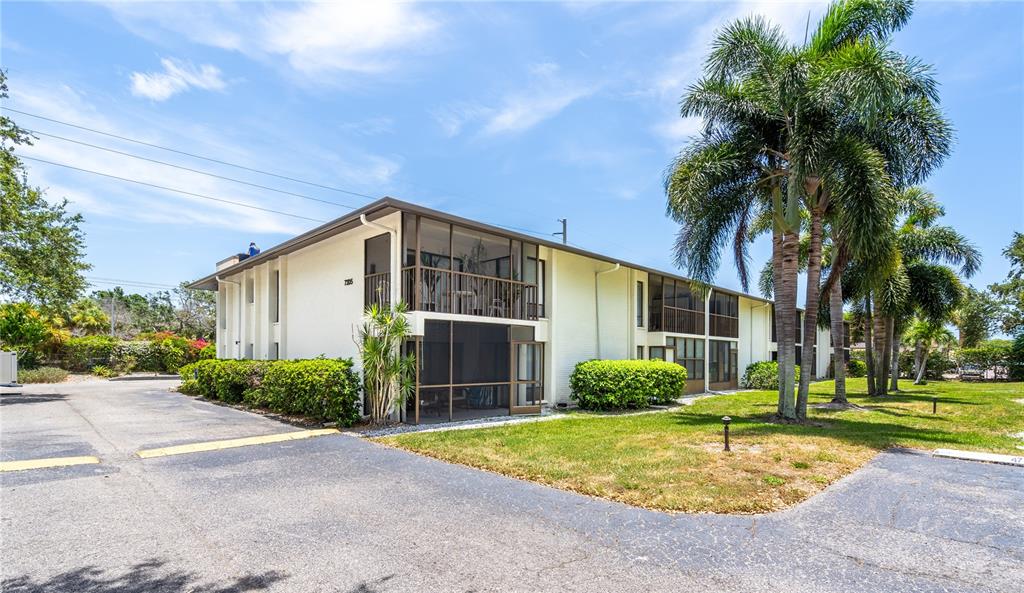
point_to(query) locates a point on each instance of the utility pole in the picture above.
(565, 236)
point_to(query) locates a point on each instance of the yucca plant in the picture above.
(388, 376)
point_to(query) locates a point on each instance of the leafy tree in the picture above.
(42, 247)
(195, 312)
(977, 317)
(86, 317)
(1011, 291)
(801, 128)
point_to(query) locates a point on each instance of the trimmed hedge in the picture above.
(764, 375)
(856, 368)
(322, 389)
(626, 384)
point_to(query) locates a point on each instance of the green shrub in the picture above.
(207, 352)
(323, 389)
(225, 380)
(136, 355)
(625, 384)
(103, 371)
(764, 375)
(856, 368)
(42, 375)
(82, 353)
(24, 330)
(1015, 358)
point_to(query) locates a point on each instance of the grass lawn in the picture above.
(673, 461)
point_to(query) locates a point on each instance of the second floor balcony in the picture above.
(463, 293)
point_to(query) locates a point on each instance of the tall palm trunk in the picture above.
(869, 350)
(785, 316)
(811, 303)
(918, 357)
(881, 352)
(919, 379)
(835, 303)
(894, 359)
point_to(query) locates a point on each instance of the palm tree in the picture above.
(921, 284)
(789, 128)
(925, 334)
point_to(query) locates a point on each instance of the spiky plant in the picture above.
(388, 376)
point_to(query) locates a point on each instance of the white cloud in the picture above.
(545, 95)
(315, 39)
(679, 128)
(177, 76)
(102, 197)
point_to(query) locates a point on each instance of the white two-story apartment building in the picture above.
(500, 318)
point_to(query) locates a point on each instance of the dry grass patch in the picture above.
(673, 461)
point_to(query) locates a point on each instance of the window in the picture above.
(725, 312)
(249, 350)
(656, 352)
(689, 354)
(639, 304)
(481, 253)
(639, 352)
(275, 351)
(250, 290)
(275, 296)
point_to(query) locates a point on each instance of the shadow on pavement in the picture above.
(10, 399)
(149, 576)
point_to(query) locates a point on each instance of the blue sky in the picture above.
(514, 114)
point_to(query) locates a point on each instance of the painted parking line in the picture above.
(15, 466)
(232, 443)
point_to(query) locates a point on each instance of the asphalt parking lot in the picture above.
(337, 513)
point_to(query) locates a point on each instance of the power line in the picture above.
(193, 155)
(180, 191)
(134, 282)
(159, 162)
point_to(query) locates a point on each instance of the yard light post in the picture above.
(725, 422)
(935, 403)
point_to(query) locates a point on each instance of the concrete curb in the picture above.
(145, 378)
(1015, 460)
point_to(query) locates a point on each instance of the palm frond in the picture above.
(849, 20)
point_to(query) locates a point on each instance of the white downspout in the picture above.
(597, 305)
(395, 271)
(238, 330)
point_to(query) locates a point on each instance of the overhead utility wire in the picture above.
(136, 156)
(193, 155)
(218, 161)
(180, 191)
(137, 282)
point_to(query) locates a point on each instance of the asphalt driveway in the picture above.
(338, 514)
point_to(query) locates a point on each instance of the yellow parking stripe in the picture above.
(14, 466)
(232, 443)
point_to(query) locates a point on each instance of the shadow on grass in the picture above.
(879, 435)
(150, 575)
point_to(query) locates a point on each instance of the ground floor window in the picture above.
(475, 370)
(690, 354)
